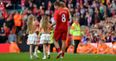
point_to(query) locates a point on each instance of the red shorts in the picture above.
(60, 35)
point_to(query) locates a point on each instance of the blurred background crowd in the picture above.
(96, 18)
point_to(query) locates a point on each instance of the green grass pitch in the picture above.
(68, 57)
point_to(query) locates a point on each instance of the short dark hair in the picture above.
(57, 3)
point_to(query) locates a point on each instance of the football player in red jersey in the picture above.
(61, 17)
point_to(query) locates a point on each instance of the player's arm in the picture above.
(69, 15)
(55, 18)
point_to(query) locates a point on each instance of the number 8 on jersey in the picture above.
(63, 18)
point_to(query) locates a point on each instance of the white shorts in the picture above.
(44, 38)
(33, 39)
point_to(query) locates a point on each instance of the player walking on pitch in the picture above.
(61, 17)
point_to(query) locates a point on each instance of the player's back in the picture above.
(62, 19)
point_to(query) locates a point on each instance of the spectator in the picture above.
(34, 9)
(102, 11)
(88, 19)
(12, 37)
(1, 21)
(113, 5)
(96, 18)
(2, 35)
(6, 30)
(17, 21)
(9, 22)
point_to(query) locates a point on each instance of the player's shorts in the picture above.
(33, 39)
(44, 38)
(60, 35)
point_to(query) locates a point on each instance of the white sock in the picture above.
(48, 52)
(35, 53)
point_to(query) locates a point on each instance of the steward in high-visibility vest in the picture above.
(75, 31)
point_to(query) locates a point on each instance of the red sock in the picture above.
(58, 50)
(62, 54)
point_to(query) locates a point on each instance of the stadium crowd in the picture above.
(97, 20)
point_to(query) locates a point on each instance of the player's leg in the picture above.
(63, 47)
(57, 46)
(59, 51)
(56, 38)
(30, 51)
(64, 36)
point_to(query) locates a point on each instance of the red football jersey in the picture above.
(61, 17)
